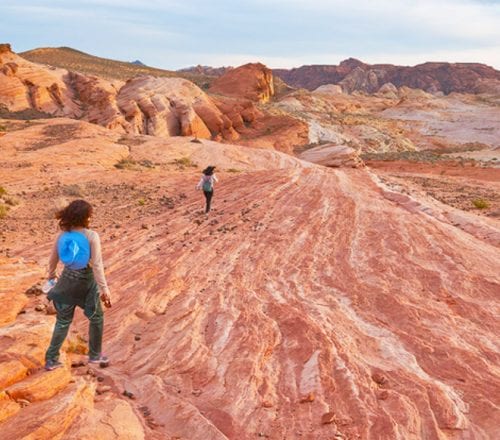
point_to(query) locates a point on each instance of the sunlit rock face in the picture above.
(252, 81)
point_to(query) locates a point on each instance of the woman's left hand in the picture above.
(106, 299)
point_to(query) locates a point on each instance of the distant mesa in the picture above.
(206, 70)
(138, 63)
(354, 75)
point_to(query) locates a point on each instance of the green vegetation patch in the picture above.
(184, 162)
(480, 204)
(3, 211)
(127, 163)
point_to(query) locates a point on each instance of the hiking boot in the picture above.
(101, 359)
(52, 364)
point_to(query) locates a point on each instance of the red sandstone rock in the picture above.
(348, 278)
(250, 81)
(354, 75)
(327, 418)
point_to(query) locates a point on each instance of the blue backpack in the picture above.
(74, 250)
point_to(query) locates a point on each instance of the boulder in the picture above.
(332, 155)
(252, 81)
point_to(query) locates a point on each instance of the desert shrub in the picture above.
(141, 202)
(3, 128)
(11, 201)
(146, 163)
(73, 190)
(184, 162)
(3, 211)
(3, 191)
(126, 163)
(480, 204)
(233, 170)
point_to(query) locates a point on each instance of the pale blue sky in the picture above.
(280, 33)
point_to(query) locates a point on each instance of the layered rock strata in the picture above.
(311, 303)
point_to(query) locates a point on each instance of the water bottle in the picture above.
(48, 285)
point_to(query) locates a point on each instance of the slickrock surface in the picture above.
(409, 120)
(312, 303)
(144, 105)
(331, 155)
(252, 81)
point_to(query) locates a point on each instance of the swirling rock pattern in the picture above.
(312, 303)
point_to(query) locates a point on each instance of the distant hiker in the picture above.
(79, 249)
(206, 183)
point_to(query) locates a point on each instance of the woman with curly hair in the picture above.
(79, 249)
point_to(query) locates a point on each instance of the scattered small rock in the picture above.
(137, 337)
(379, 378)
(23, 402)
(383, 395)
(144, 226)
(34, 290)
(100, 379)
(145, 410)
(101, 389)
(196, 392)
(40, 307)
(78, 363)
(267, 404)
(328, 418)
(129, 394)
(307, 399)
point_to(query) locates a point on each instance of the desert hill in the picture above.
(78, 61)
(146, 104)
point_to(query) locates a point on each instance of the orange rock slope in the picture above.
(150, 105)
(312, 303)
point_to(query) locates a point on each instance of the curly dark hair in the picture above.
(76, 214)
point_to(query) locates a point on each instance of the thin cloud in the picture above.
(280, 33)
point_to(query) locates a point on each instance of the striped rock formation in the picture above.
(312, 303)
